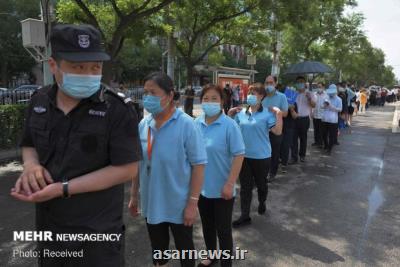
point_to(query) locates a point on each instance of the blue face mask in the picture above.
(270, 89)
(300, 86)
(252, 100)
(211, 108)
(332, 95)
(152, 104)
(80, 86)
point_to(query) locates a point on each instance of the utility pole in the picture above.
(171, 56)
(46, 14)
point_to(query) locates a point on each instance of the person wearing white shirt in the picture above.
(305, 102)
(317, 113)
(332, 107)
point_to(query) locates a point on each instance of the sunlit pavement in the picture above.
(338, 210)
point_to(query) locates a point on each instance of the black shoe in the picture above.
(213, 262)
(242, 221)
(283, 168)
(261, 208)
(292, 162)
(271, 178)
(314, 144)
(337, 143)
(302, 159)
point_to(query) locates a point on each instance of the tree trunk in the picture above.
(108, 71)
(189, 70)
(3, 73)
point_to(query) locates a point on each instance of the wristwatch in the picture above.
(65, 189)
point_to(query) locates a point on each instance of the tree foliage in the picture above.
(14, 58)
(312, 30)
(117, 20)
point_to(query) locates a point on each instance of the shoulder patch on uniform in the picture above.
(119, 95)
(39, 109)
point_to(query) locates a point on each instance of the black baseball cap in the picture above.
(77, 43)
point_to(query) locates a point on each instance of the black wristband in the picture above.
(65, 189)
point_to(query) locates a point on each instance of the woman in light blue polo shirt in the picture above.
(225, 151)
(172, 170)
(255, 122)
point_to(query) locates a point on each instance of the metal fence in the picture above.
(135, 93)
(10, 97)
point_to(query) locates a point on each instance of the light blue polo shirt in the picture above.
(177, 145)
(223, 141)
(255, 130)
(278, 100)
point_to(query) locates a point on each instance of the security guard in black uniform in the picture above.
(79, 146)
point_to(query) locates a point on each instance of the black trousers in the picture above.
(189, 109)
(159, 239)
(317, 123)
(102, 254)
(253, 171)
(286, 144)
(300, 133)
(275, 141)
(329, 134)
(227, 107)
(336, 133)
(216, 219)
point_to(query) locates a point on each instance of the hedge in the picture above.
(12, 119)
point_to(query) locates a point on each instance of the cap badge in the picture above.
(84, 41)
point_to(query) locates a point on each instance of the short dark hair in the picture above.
(259, 88)
(298, 78)
(177, 96)
(162, 80)
(209, 87)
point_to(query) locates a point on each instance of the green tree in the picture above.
(203, 25)
(14, 58)
(117, 20)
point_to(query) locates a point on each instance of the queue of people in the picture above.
(178, 165)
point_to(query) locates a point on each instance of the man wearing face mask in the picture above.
(79, 146)
(273, 99)
(317, 112)
(332, 107)
(305, 101)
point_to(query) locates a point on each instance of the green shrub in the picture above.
(12, 119)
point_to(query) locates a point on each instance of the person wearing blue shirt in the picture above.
(332, 106)
(225, 152)
(171, 173)
(274, 98)
(255, 122)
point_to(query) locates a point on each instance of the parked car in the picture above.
(197, 90)
(21, 94)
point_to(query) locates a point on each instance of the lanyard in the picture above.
(150, 137)
(149, 144)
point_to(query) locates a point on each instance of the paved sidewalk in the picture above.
(339, 210)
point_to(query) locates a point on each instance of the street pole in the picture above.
(171, 56)
(252, 73)
(46, 17)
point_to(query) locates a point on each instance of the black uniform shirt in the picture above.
(101, 131)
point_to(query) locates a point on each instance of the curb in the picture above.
(9, 155)
(396, 119)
